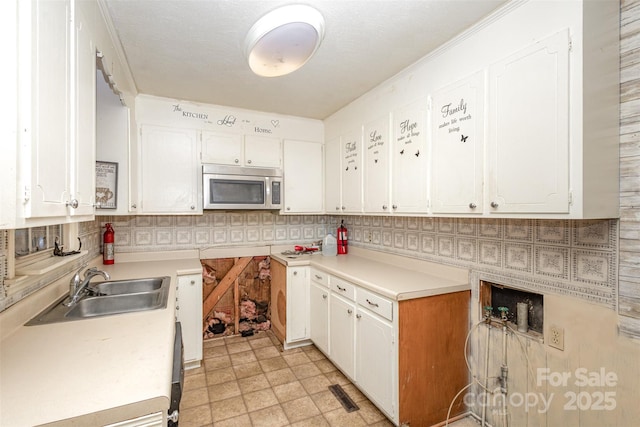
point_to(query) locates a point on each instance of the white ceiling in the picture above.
(194, 49)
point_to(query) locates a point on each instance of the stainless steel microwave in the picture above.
(234, 187)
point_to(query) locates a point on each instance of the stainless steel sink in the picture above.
(118, 287)
(110, 298)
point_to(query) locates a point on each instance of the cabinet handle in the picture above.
(249, 161)
(395, 206)
(384, 207)
(318, 277)
(341, 289)
(237, 161)
(73, 203)
(349, 311)
(324, 296)
(494, 204)
(372, 303)
(472, 205)
(134, 206)
(358, 316)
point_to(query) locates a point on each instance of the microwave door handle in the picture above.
(267, 201)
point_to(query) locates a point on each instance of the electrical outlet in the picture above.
(556, 337)
(367, 236)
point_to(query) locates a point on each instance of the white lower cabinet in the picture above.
(297, 304)
(189, 314)
(376, 371)
(342, 333)
(319, 311)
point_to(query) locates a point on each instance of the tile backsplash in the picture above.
(567, 257)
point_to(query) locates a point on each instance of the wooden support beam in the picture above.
(225, 284)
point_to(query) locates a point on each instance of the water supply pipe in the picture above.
(487, 318)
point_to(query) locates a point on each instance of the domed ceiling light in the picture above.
(283, 40)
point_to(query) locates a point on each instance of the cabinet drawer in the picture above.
(342, 288)
(376, 303)
(320, 277)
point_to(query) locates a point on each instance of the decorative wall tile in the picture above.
(466, 226)
(552, 232)
(253, 234)
(398, 222)
(308, 233)
(386, 239)
(294, 220)
(594, 267)
(295, 233)
(552, 261)
(490, 252)
(387, 222)
(163, 236)
(202, 221)
(376, 221)
(596, 234)
(219, 236)
(398, 239)
(356, 235)
(237, 235)
(517, 257)
(202, 237)
(219, 219)
(308, 219)
(412, 241)
(518, 229)
(165, 221)
(428, 243)
(184, 221)
(236, 219)
(253, 219)
(142, 237)
(268, 235)
(446, 246)
(446, 225)
(281, 220)
(320, 232)
(413, 223)
(376, 237)
(429, 224)
(466, 249)
(144, 221)
(184, 237)
(122, 238)
(267, 218)
(366, 221)
(490, 228)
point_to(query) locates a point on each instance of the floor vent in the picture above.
(348, 404)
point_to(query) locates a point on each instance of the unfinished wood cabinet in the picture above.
(290, 304)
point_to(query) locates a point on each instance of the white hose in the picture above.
(486, 377)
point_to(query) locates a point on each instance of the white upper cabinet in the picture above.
(303, 177)
(376, 166)
(239, 150)
(169, 171)
(351, 164)
(528, 151)
(332, 177)
(409, 154)
(457, 123)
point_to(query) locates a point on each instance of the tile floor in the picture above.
(253, 382)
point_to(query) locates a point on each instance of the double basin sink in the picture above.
(109, 298)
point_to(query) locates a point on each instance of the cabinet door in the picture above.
(297, 304)
(169, 171)
(376, 368)
(351, 160)
(376, 166)
(83, 188)
(319, 316)
(332, 177)
(342, 334)
(528, 133)
(457, 117)
(262, 151)
(189, 313)
(222, 148)
(302, 177)
(409, 172)
(48, 184)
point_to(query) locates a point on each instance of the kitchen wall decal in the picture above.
(376, 137)
(236, 296)
(408, 131)
(351, 151)
(106, 185)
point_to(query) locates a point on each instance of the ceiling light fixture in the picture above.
(283, 40)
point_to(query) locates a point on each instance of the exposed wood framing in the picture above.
(223, 286)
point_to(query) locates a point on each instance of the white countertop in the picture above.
(93, 371)
(395, 277)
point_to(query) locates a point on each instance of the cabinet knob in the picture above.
(358, 316)
(494, 204)
(249, 161)
(192, 207)
(324, 296)
(237, 160)
(193, 282)
(384, 207)
(343, 208)
(73, 203)
(341, 288)
(288, 208)
(395, 206)
(134, 206)
(295, 273)
(472, 205)
(349, 311)
(337, 208)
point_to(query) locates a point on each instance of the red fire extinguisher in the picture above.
(342, 239)
(107, 245)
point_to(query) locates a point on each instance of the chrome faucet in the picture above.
(77, 285)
